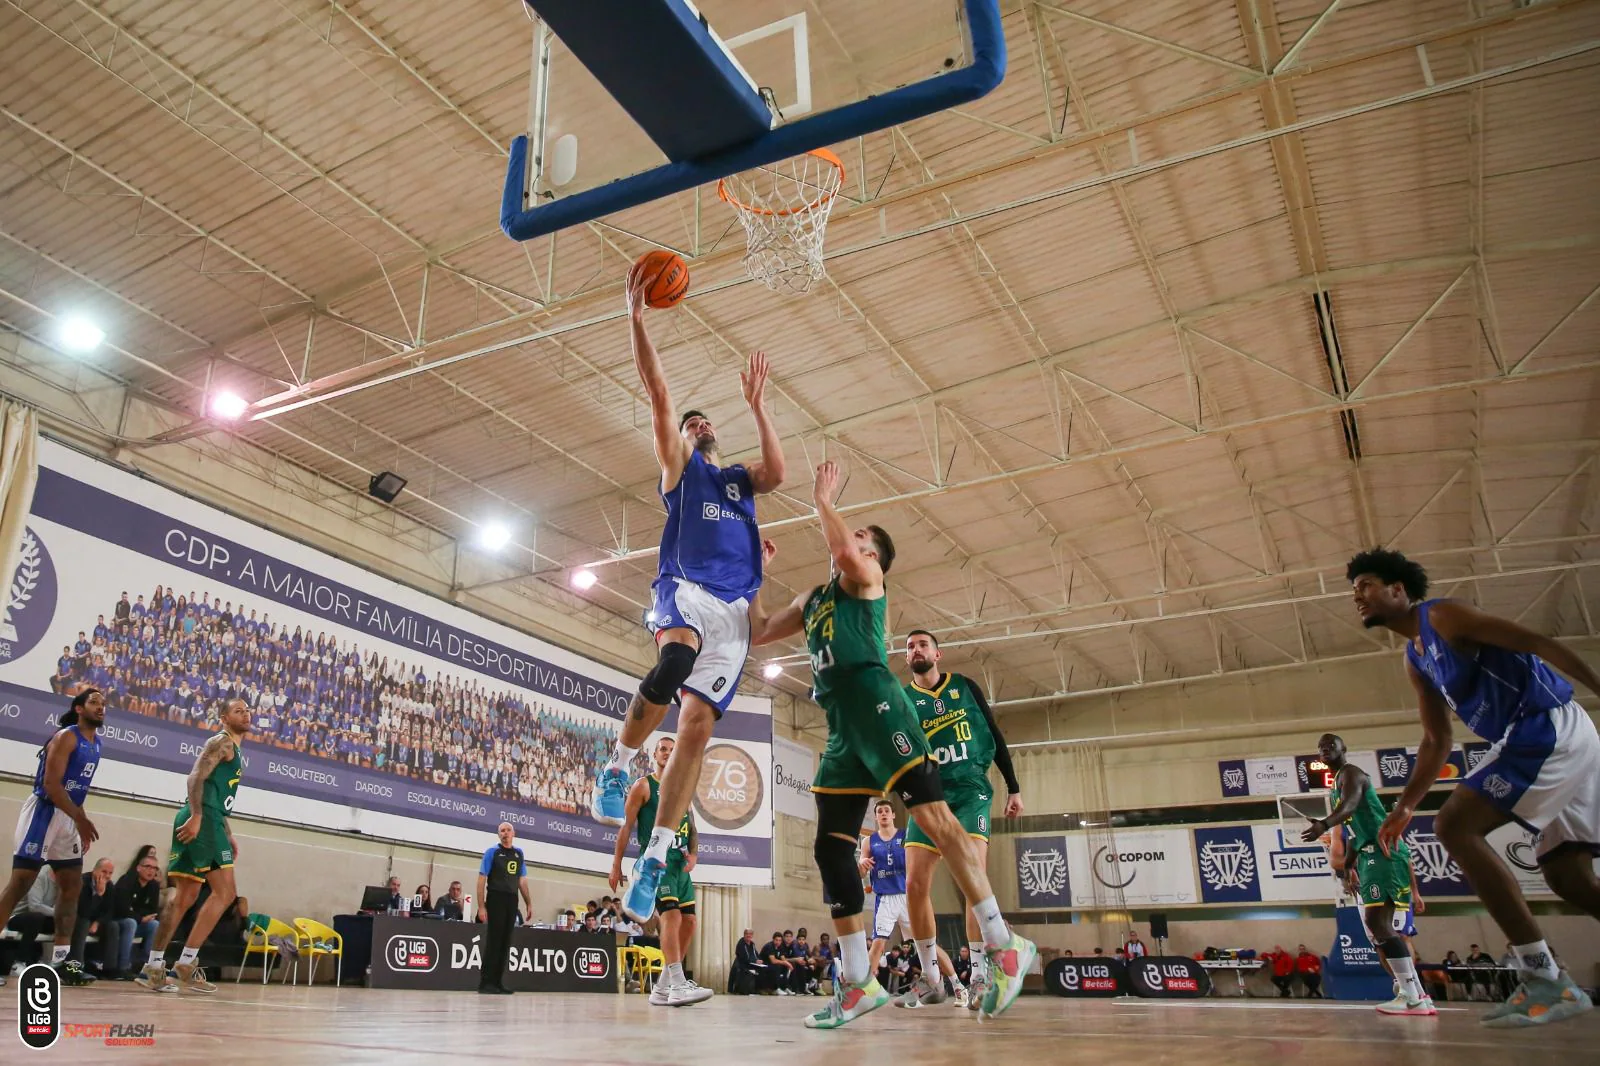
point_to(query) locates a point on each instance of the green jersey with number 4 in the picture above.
(223, 783)
(842, 632)
(957, 731)
(679, 851)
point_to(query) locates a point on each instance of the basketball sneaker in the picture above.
(661, 994)
(681, 995)
(1007, 966)
(191, 978)
(72, 973)
(849, 1002)
(1402, 1004)
(608, 803)
(976, 990)
(1539, 1001)
(922, 993)
(154, 977)
(640, 902)
(961, 996)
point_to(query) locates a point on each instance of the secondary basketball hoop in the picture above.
(784, 208)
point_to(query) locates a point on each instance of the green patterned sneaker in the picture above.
(1007, 967)
(849, 1002)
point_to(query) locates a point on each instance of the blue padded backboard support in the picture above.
(977, 79)
(666, 71)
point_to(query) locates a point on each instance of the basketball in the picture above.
(671, 282)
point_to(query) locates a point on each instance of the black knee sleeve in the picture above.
(1394, 948)
(674, 664)
(841, 880)
(920, 785)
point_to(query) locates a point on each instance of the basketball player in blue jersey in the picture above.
(53, 829)
(710, 568)
(883, 862)
(1542, 769)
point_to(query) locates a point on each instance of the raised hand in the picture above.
(639, 280)
(769, 550)
(753, 380)
(827, 484)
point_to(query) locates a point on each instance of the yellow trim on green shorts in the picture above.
(847, 791)
(898, 774)
(920, 844)
(185, 876)
(1389, 903)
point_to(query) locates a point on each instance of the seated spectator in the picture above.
(1509, 960)
(749, 972)
(809, 963)
(799, 980)
(1067, 954)
(775, 955)
(394, 895)
(1309, 967)
(1282, 964)
(1122, 955)
(96, 908)
(422, 904)
(591, 922)
(1134, 948)
(32, 917)
(138, 908)
(1099, 951)
(1476, 956)
(451, 905)
(963, 965)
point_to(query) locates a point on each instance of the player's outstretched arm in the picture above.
(858, 569)
(766, 473)
(1457, 621)
(1353, 785)
(785, 622)
(1432, 753)
(671, 451)
(1002, 753)
(630, 814)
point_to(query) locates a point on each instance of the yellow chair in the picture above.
(321, 941)
(630, 962)
(258, 941)
(648, 963)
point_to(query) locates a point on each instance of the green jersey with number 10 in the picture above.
(956, 728)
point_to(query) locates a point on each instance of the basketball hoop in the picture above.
(784, 209)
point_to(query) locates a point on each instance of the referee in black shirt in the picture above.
(502, 876)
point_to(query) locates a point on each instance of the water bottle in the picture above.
(405, 906)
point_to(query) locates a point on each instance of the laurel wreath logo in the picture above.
(1220, 872)
(27, 576)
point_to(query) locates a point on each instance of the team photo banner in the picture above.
(375, 707)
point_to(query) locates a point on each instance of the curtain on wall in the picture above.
(724, 913)
(19, 472)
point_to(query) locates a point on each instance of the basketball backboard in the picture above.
(599, 116)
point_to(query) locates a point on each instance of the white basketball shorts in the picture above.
(45, 835)
(889, 912)
(1545, 773)
(724, 630)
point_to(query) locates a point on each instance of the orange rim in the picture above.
(823, 154)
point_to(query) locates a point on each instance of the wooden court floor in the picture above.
(249, 1025)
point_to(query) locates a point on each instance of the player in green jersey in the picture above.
(875, 744)
(964, 740)
(675, 898)
(1383, 878)
(203, 850)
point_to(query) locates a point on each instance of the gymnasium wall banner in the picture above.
(792, 768)
(377, 708)
(1042, 877)
(1288, 774)
(447, 957)
(1168, 977)
(1140, 867)
(1097, 975)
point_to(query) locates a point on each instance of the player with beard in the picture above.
(53, 829)
(1542, 769)
(203, 850)
(965, 740)
(709, 571)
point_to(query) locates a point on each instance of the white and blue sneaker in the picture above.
(640, 902)
(608, 803)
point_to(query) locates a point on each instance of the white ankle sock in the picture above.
(661, 839)
(674, 974)
(188, 956)
(853, 957)
(158, 958)
(1537, 960)
(980, 963)
(928, 952)
(58, 953)
(995, 933)
(621, 757)
(1406, 974)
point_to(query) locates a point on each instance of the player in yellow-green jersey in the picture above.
(875, 745)
(203, 850)
(965, 741)
(1383, 877)
(675, 897)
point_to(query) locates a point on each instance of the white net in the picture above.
(784, 209)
